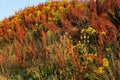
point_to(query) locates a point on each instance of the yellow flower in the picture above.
(38, 13)
(80, 4)
(108, 49)
(30, 15)
(89, 58)
(48, 7)
(93, 31)
(90, 28)
(49, 32)
(105, 62)
(49, 18)
(95, 54)
(61, 8)
(84, 36)
(99, 70)
(35, 30)
(103, 33)
(83, 30)
(9, 30)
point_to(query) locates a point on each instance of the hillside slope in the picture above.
(62, 40)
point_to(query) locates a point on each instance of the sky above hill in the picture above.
(9, 7)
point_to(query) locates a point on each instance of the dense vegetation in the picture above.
(62, 40)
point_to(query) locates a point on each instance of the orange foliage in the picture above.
(20, 54)
(51, 26)
(17, 25)
(60, 60)
(101, 23)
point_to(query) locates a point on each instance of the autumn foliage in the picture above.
(62, 40)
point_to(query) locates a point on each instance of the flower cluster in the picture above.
(89, 31)
(105, 62)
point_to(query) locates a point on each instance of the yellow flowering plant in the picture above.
(99, 70)
(105, 62)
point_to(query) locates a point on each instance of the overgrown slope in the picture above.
(62, 40)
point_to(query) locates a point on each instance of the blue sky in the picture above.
(9, 7)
